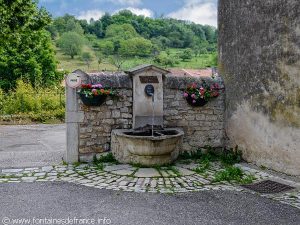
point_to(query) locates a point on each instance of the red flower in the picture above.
(86, 86)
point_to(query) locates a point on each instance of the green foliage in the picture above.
(186, 55)
(73, 26)
(87, 58)
(106, 47)
(230, 157)
(203, 167)
(71, 43)
(164, 59)
(141, 40)
(174, 170)
(117, 61)
(96, 28)
(207, 154)
(135, 47)
(232, 173)
(108, 158)
(124, 31)
(39, 104)
(25, 46)
(164, 32)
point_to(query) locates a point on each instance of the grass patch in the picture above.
(174, 170)
(8, 176)
(81, 173)
(99, 166)
(232, 173)
(107, 158)
(76, 164)
(137, 165)
(203, 167)
(207, 154)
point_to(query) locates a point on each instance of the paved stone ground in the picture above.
(53, 200)
(31, 145)
(175, 179)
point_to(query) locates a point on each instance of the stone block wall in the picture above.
(98, 123)
(202, 125)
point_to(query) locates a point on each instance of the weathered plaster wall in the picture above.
(202, 125)
(259, 58)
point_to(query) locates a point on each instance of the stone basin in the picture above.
(129, 146)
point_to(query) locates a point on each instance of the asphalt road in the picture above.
(31, 145)
(64, 200)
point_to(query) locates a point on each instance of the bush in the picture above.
(39, 104)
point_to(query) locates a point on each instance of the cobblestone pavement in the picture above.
(123, 177)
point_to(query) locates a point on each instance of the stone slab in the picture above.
(147, 172)
(12, 170)
(117, 167)
(124, 172)
(184, 172)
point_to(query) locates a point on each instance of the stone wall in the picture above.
(259, 59)
(202, 125)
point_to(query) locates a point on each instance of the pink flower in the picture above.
(193, 96)
(185, 94)
(94, 91)
(97, 86)
(202, 91)
(194, 101)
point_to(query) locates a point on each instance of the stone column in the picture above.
(73, 119)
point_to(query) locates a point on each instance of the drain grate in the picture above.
(268, 187)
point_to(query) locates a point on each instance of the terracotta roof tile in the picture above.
(192, 72)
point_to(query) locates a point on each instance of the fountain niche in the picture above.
(148, 143)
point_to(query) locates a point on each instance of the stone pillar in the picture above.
(73, 118)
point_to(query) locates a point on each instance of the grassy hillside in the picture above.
(66, 63)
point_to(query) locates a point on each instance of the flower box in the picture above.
(196, 102)
(199, 95)
(92, 100)
(95, 95)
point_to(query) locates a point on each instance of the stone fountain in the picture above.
(148, 143)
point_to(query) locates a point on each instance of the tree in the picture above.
(100, 58)
(25, 46)
(210, 33)
(165, 59)
(96, 28)
(136, 47)
(71, 43)
(106, 20)
(124, 31)
(87, 58)
(73, 26)
(117, 61)
(186, 55)
(106, 47)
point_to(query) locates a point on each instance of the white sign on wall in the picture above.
(73, 80)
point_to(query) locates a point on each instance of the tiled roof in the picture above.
(192, 72)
